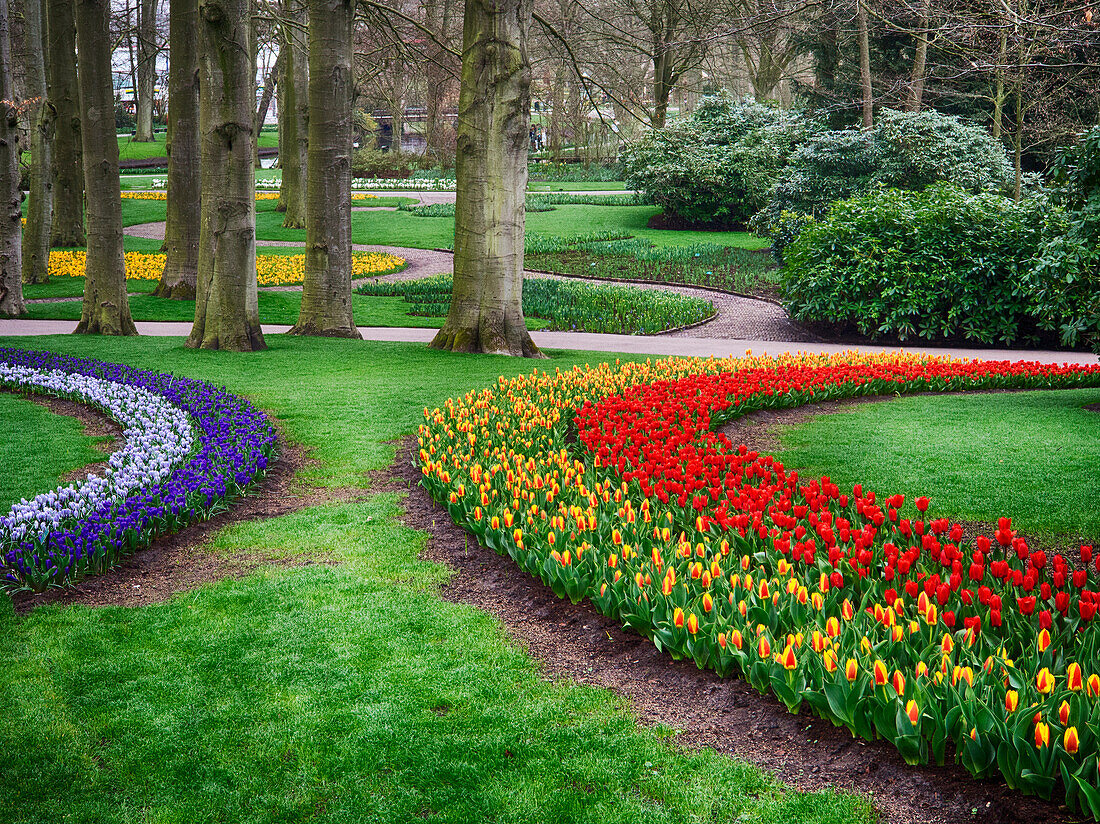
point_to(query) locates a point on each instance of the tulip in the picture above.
(764, 649)
(1073, 677)
(678, 617)
(735, 639)
(1044, 640)
(851, 669)
(1042, 735)
(1012, 700)
(913, 712)
(829, 659)
(708, 603)
(788, 659)
(692, 623)
(1044, 681)
(1093, 684)
(1063, 713)
(880, 674)
(832, 627)
(1070, 741)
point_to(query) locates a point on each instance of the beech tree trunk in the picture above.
(293, 91)
(920, 60)
(146, 69)
(106, 310)
(181, 230)
(68, 168)
(486, 313)
(36, 235)
(326, 284)
(226, 309)
(865, 65)
(11, 283)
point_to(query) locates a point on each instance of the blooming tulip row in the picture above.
(611, 484)
(189, 447)
(271, 270)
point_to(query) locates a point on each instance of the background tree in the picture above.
(226, 305)
(147, 51)
(181, 228)
(41, 112)
(486, 313)
(293, 99)
(11, 283)
(326, 284)
(106, 309)
(68, 170)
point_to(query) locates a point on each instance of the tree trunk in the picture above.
(1018, 143)
(326, 284)
(106, 310)
(999, 82)
(181, 229)
(270, 83)
(146, 69)
(662, 87)
(36, 237)
(226, 308)
(486, 313)
(11, 283)
(68, 170)
(293, 91)
(920, 59)
(865, 64)
(397, 123)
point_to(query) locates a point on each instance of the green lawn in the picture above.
(28, 467)
(345, 691)
(129, 149)
(1030, 455)
(275, 307)
(405, 229)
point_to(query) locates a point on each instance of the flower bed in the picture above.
(157, 183)
(271, 270)
(189, 447)
(610, 484)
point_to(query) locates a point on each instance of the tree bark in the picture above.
(181, 229)
(146, 69)
(36, 236)
(11, 282)
(486, 313)
(293, 91)
(920, 60)
(865, 64)
(68, 170)
(106, 310)
(270, 83)
(326, 284)
(226, 306)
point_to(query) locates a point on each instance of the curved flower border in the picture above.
(610, 484)
(189, 447)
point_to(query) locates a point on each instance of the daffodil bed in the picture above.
(610, 484)
(271, 270)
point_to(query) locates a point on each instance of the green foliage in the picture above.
(569, 305)
(370, 161)
(573, 172)
(903, 151)
(1064, 284)
(715, 167)
(784, 229)
(938, 264)
(540, 202)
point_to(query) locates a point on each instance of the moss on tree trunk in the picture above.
(326, 284)
(36, 235)
(486, 313)
(68, 169)
(106, 310)
(226, 307)
(11, 282)
(181, 230)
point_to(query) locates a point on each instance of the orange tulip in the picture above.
(851, 669)
(1042, 735)
(829, 659)
(692, 624)
(913, 712)
(678, 617)
(1012, 700)
(947, 644)
(880, 673)
(708, 602)
(764, 648)
(899, 682)
(1070, 741)
(1044, 681)
(735, 639)
(789, 661)
(1074, 679)
(832, 627)
(1044, 640)
(1093, 684)
(1063, 712)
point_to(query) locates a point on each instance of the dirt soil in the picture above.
(181, 561)
(576, 642)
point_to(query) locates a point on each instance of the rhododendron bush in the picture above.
(611, 483)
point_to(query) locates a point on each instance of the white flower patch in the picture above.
(158, 437)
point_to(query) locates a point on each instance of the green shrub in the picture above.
(903, 151)
(373, 162)
(716, 167)
(574, 172)
(1064, 284)
(938, 264)
(571, 305)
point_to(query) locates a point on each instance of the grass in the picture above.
(129, 149)
(275, 308)
(28, 467)
(1028, 455)
(342, 691)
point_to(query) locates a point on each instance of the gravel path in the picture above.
(739, 318)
